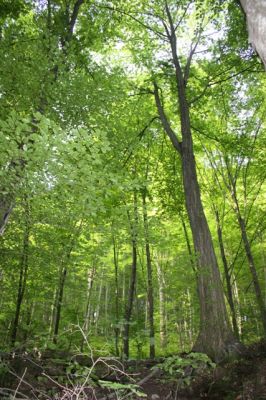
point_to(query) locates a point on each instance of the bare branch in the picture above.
(182, 17)
(212, 83)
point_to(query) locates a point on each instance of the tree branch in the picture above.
(166, 125)
(158, 33)
(73, 19)
(140, 136)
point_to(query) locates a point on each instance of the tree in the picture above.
(215, 336)
(256, 21)
(59, 31)
(87, 139)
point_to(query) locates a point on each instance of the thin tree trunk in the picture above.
(6, 205)
(115, 255)
(190, 329)
(129, 305)
(238, 306)
(263, 258)
(106, 308)
(149, 277)
(247, 246)
(226, 273)
(59, 301)
(162, 312)
(52, 315)
(98, 306)
(62, 280)
(24, 265)
(30, 311)
(253, 271)
(85, 328)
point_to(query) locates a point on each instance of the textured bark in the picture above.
(149, 277)
(215, 337)
(255, 11)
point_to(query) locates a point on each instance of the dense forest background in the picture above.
(97, 241)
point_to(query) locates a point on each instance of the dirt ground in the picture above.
(59, 375)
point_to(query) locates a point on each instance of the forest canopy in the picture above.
(132, 177)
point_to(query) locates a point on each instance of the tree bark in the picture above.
(255, 11)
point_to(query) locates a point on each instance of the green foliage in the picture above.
(79, 133)
(184, 369)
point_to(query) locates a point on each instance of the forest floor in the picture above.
(59, 375)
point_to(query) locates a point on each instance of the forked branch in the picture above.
(166, 124)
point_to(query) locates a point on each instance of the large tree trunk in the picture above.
(215, 336)
(256, 19)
